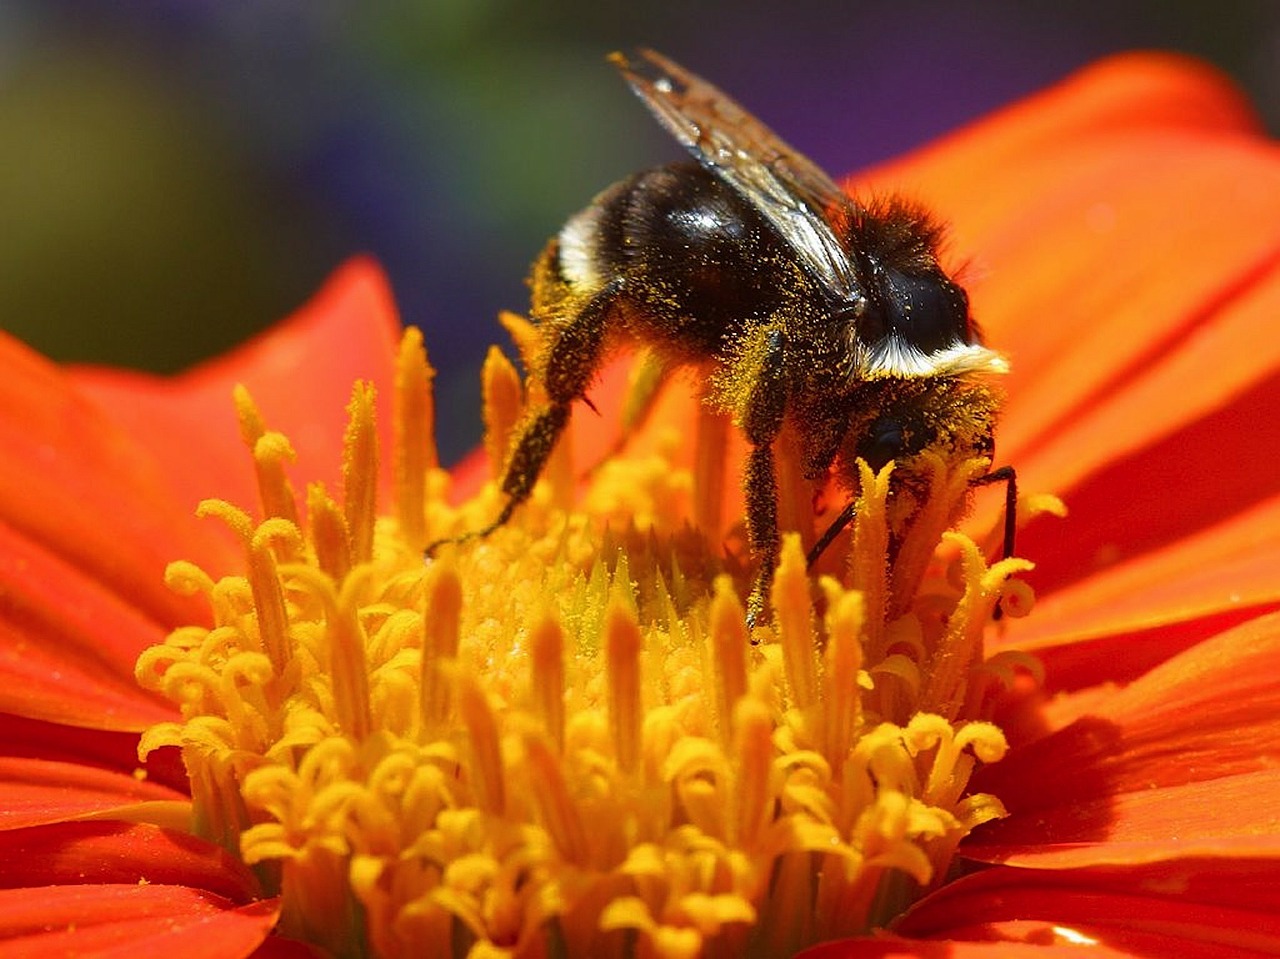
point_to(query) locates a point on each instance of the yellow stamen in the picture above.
(546, 645)
(271, 452)
(794, 612)
(415, 445)
(560, 739)
(482, 731)
(961, 647)
(622, 670)
(440, 642)
(328, 533)
(868, 569)
(360, 472)
(729, 653)
(501, 397)
(268, 601)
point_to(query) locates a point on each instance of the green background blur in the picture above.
(175, 175)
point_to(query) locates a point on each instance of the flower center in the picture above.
(561, 739)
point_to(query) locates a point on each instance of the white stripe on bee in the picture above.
(892, 356)
(578, 248)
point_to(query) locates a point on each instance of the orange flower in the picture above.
(559, 740)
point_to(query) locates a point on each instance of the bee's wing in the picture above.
(788, 188)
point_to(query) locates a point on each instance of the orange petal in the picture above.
(278, 947)
(87, 524)
(1130, 616)
(32, 739)
(1180, 448)
(68, 642)
(35, 792)
(131, 920)
(93, 853)
(1180, 761)
(892, 947)
(1210, 908)
(76, 485)
(1117, 94)
(300, 373)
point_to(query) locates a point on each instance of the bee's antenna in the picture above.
(1009, 476)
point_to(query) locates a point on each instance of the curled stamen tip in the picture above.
(1016, 598)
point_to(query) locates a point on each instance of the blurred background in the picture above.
(176, 174)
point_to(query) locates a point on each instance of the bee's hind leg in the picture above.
(571, 360)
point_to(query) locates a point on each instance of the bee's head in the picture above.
(948, 416)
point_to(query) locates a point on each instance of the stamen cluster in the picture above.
(562, 738)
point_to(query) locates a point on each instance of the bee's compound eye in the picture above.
(885, 440)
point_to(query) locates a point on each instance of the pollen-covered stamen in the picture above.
(868, 571)
(443, 605)
(622, 642)
(960, 649)
(546, 649)
(559, 811)
(729, 654)
(415, 444)
(360, 472)
(486, 756)
(794, 613)
(268, 600)
(328, 529)
(842, 664)
(501, 397)
(940, 509)
(344, 649)
(271, 452)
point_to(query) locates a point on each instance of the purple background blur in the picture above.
(175, 174)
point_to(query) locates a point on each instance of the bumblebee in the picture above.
(803, 308)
